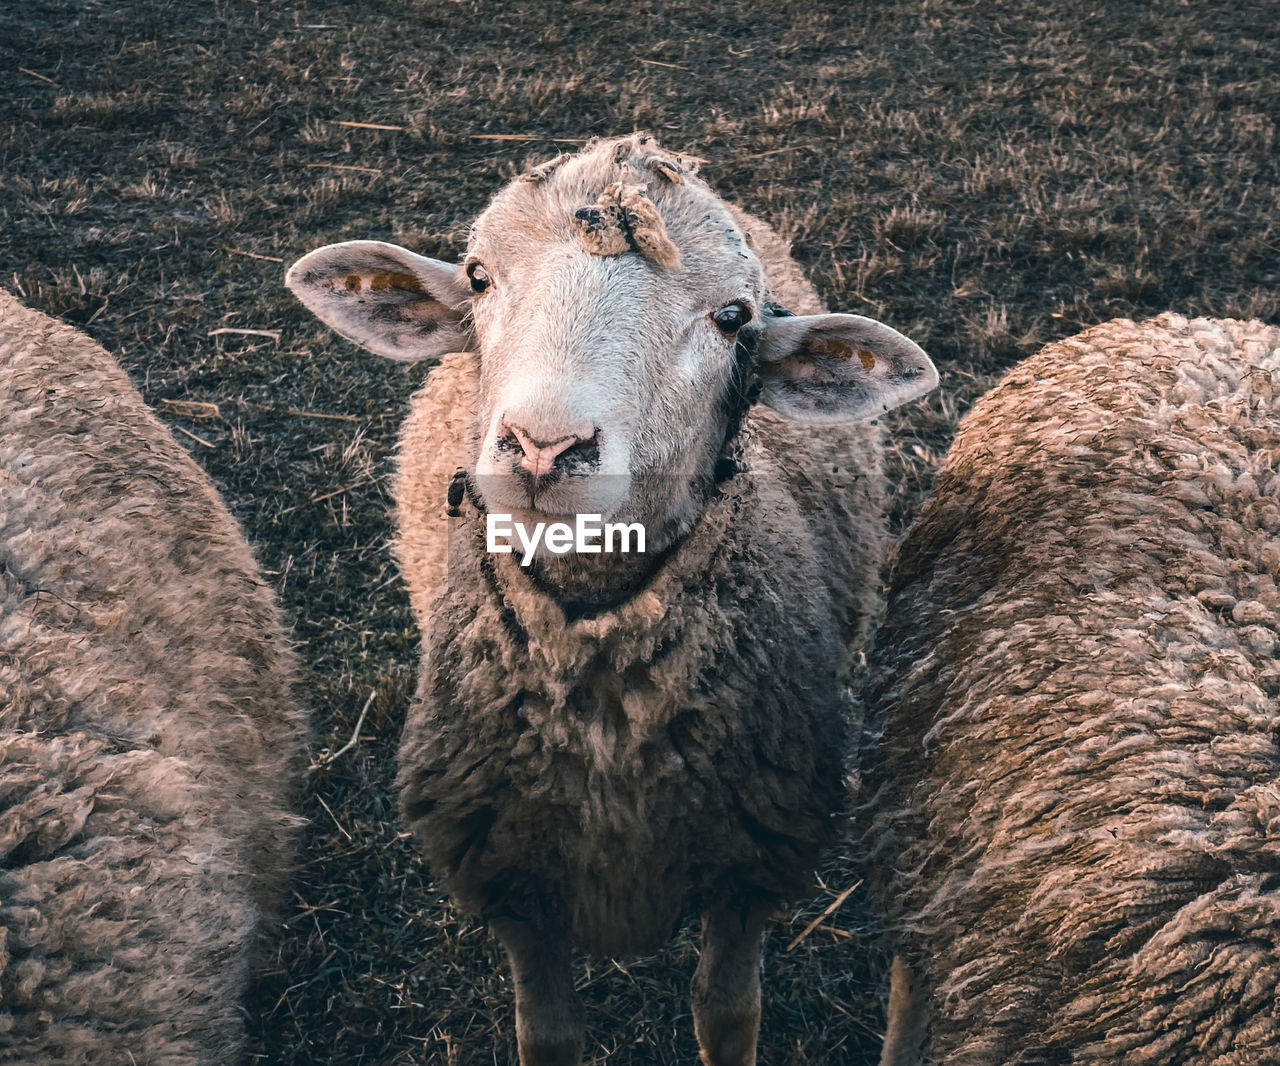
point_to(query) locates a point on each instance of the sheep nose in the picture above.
(540, 456)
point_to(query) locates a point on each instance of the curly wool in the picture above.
(149, 740)
(682, 747)
(622, 218)
(1074, 809)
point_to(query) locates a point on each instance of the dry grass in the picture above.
(984, 176)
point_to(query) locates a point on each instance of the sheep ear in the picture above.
(838, 368)
(385, 298)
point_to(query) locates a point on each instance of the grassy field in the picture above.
(986, 177)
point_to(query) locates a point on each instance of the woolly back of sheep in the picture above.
(149, 740)
(1073, 811)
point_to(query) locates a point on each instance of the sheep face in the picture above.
(608, 383)
(623, 326)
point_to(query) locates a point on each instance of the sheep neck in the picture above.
(581, 587)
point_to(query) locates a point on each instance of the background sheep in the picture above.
(1074, 807)
(148, 739)
(602, 743)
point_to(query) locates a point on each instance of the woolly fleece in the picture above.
(149, 741)
(1074, 812)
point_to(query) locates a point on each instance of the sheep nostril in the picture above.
(541, 457)
(584, 448)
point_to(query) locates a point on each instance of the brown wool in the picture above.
(1073, 812)
(623, 219)
(149, 740)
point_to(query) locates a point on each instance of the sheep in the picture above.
(1073, 809)
(601, 743)
(149, 737)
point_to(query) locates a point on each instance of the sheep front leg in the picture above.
(908, 1019)
(549, 1028)
(726, 987)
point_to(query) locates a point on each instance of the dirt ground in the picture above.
(986, 177)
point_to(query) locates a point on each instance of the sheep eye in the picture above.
(731, 319)
(479, 277)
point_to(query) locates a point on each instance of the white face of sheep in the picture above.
(608, 382)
